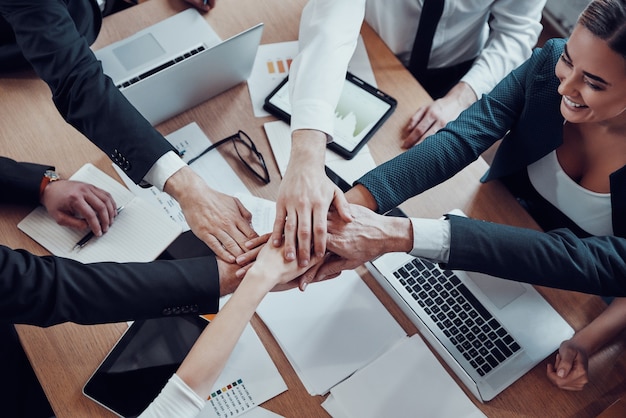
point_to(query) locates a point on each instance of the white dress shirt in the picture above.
(163, 169)
(329, 30)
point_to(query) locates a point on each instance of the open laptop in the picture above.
(178, 63)
(490, 331)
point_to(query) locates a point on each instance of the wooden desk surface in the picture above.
(64, 356)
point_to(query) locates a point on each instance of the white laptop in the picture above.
(178, 63)
(510, 330)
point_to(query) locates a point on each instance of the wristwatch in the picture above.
(48, 177)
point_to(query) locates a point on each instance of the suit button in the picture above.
(186, 309)
(176, 310)
(167, 311)
(194, 308)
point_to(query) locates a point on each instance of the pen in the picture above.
(84, 240)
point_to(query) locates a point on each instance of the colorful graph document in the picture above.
(248, 379)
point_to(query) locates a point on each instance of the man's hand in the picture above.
(304, 198)
(435, 115)
(79, 205)
(220, 220)
(351, 244)
(202, 5)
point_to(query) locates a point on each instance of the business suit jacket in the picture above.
(524, 109)
(49, 290)
(54, 36)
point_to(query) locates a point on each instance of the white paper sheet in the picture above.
(331, 330)
(405, 382)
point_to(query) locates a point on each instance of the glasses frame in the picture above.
(242, 138)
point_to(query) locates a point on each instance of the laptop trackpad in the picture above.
(139, 51)
(501, 292)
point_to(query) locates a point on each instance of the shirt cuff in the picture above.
(163, 169)
(431, 239)
(176, 399)
(313, 114)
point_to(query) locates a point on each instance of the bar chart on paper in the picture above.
(271, 66)
(278, 66)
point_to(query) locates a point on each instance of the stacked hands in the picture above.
(352, 234)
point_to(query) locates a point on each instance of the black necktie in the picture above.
(431, 13)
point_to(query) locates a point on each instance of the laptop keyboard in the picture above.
(160, 67)
(463, 319)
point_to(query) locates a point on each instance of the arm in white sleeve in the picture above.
(175, 400)
(163, 169)
(329, 30)
(515, 28)
(431, 239)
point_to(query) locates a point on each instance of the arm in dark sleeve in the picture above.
(46, 32)
(49, 290)
(462, 141)
(557, 259)
(20, 182)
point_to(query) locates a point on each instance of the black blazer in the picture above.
(48, 290)
(54, 36)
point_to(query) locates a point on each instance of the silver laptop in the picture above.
(490, 331)
(178, 63)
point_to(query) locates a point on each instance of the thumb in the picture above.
(565, 362)
(342, 206)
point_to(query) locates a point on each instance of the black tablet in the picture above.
(361, 110)
(141, 363)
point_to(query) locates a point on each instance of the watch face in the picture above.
(52, 175)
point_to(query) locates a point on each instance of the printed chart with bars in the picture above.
(278, 66)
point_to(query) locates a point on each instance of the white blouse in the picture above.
(591, 211)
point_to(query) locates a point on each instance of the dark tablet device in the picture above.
(361, 110)
(141, 363)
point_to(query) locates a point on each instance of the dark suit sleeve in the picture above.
(20, 182)
(556, 259)
(49, 35)
(49, 290)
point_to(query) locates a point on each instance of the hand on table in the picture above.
(220, 220)
(569, 371)
(79, 205)
(430, 118)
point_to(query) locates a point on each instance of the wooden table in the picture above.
(64, 356)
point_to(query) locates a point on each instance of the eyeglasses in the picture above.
(247, 153)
